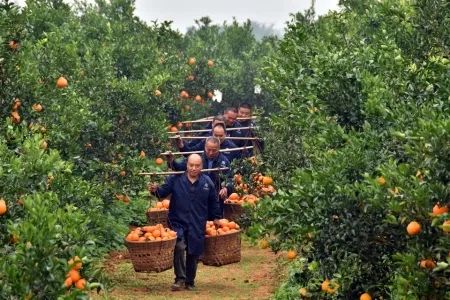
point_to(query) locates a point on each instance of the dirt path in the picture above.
(255, 277)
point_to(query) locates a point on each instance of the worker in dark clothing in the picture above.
(219, 119)
(211, 158)
(245, 111)
(218, 132)
(193, 202)
(230, 116)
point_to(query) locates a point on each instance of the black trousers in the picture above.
(185, 265)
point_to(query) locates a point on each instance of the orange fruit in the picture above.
(62, 83)
(365, 296)
(413, 228)
(123, 173)
(192, 61)
(291, 254)
(267, 180)
(157, 93)
(68, 282)
(381, 180)
(74, 275)
(233, 196)
(166, 203)
(3, 207)
(81, 284)
(198, 98)
(15, 117)
(13, 45)
(210, 63)
(156, 233)
(184, 95)
(159, 161)
(17, 104)
(329, 287)
(439, 210)
(173, 129)
(210, 95)
(37, 107)
(427, 264)
(133, 237)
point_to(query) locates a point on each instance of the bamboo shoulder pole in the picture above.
(181, 172)
(208, 130)
(209, 119)
(199, 152)
(205, 137)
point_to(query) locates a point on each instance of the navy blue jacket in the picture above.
(226, 144)
(231, 133)
(218, 178)
(258, 144)
(191, 205)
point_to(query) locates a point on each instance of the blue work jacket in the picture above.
(226, 144)
(191, 205)
(222, 178)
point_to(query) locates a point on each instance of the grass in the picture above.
(255, 277)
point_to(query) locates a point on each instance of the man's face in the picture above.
(211, 150)
(194, 166)
(219, 133)
(230, 118)
(244, 112)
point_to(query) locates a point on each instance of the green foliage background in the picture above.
(361, 94)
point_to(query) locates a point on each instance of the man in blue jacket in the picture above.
(193, 202)
(219, 132)
(211, 158)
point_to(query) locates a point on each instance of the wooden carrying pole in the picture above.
(209, 119)
(208, 130)
(199, 152)
(205, 137)
(181, 172)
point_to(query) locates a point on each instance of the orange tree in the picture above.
(228, 58)
(365, 104)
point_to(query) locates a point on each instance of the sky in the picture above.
(269, 12)
(183, 13)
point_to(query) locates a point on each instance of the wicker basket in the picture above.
(154, 256)
(158, 217)
(222, 249)
(233, 211)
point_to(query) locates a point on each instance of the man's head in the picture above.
(230, 115)
(212, 147)
(194, 165)
(220, 119)
(219, 132)
(245, 110)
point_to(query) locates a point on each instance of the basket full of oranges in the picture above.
(232, 208)
(222, 243)
(158, 214)
(151, 248)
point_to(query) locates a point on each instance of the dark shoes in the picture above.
(177, 286)
(180, 285)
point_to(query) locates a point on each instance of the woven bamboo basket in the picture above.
(222, 249)
(233, 211)
(158, 217)
(154, 256)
